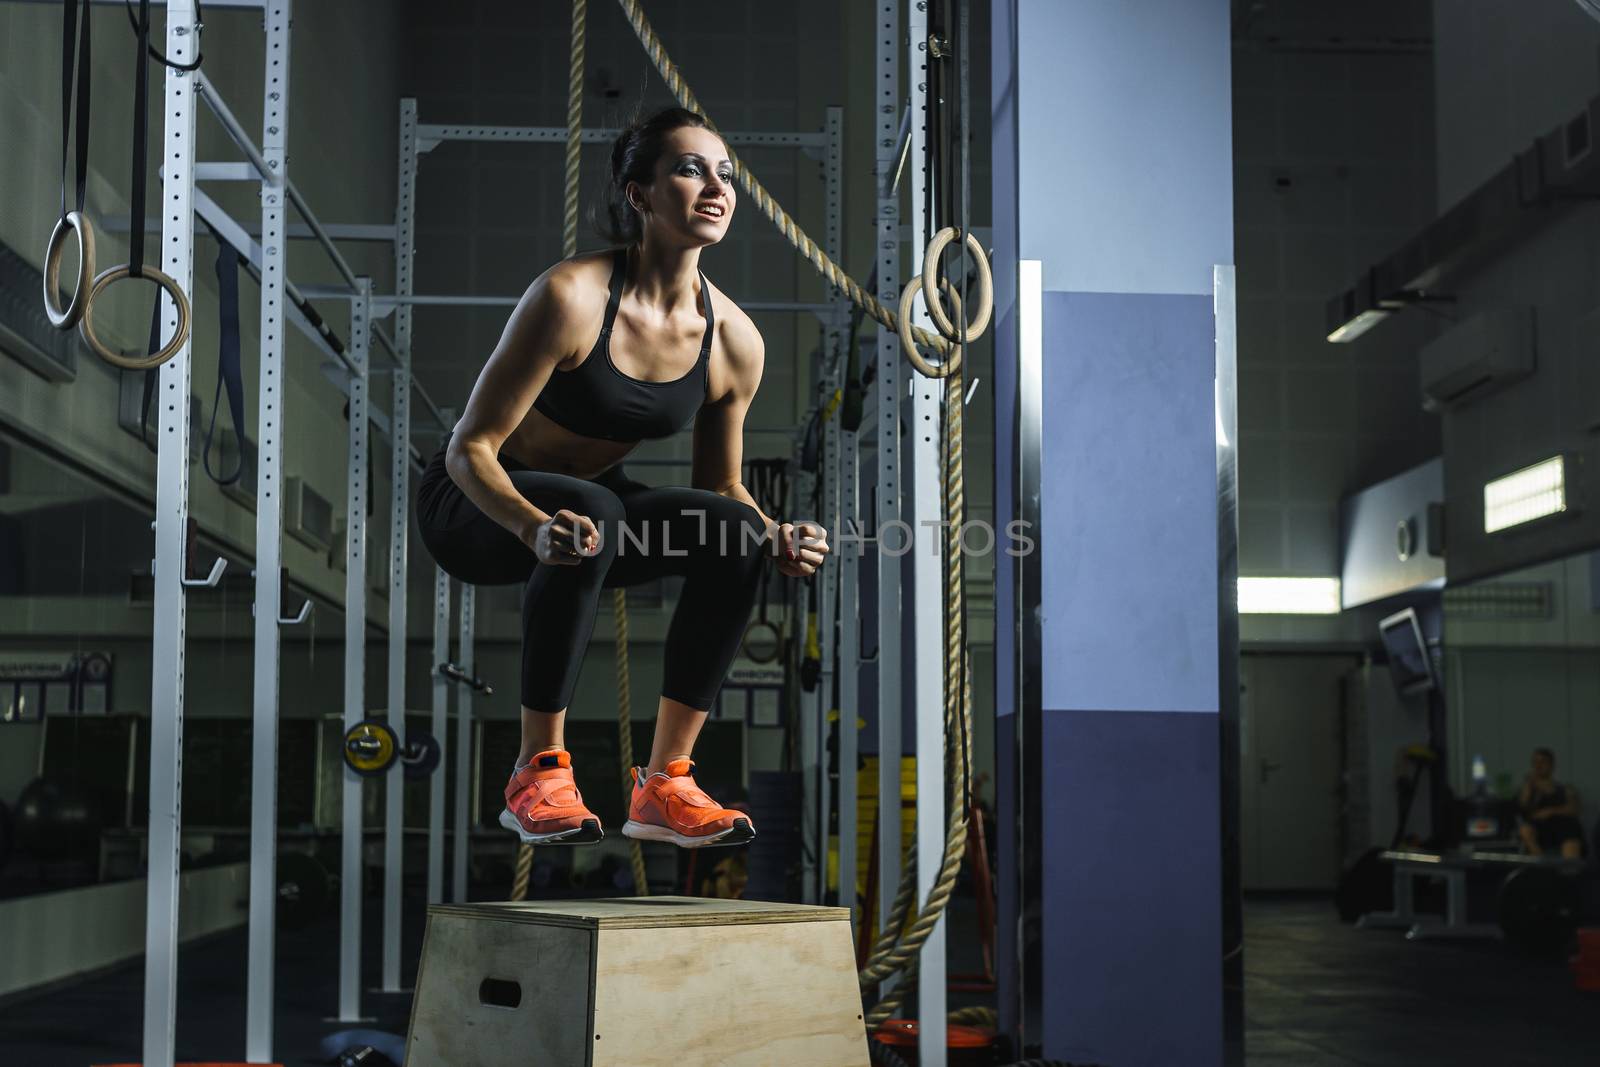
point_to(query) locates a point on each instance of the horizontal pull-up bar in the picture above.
(431, 134)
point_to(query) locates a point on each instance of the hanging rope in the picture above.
(569, 247)
(619, 615)
(791, 230)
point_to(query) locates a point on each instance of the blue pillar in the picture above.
(1113, 169)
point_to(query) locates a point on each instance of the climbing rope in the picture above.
(619, 612)
(791, 230)
(569, 248)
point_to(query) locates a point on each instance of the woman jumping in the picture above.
(603, 351)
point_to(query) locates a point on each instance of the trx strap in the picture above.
(74, 52)
(141, 141)
(228, 369)
(229, 372)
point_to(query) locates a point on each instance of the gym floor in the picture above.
(1318, 994)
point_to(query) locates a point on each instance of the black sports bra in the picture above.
(595, 399)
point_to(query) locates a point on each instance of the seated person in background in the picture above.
(1549, 811)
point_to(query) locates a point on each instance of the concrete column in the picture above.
(1112, 163)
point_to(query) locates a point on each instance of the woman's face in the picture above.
(1543, 765)
(692, 198)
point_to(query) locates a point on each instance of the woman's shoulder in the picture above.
(578, 283)
(735, 329)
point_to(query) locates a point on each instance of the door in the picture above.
(1290, 737)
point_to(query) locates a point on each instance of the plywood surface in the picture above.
(452, 1027)
(751, 995)
(643, 912)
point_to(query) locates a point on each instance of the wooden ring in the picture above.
(777, 642)
(930, 271)
(76, 223)
(180, 336)
(908, 342)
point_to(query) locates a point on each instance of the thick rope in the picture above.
(569, 246)
(619, 612)
(791, 230)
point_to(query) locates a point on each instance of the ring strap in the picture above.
(141, 140)
(74, 52)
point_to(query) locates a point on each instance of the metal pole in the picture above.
(925, 665)
(889, 387)
(172, 521)
(235, 129)
(441, 712)
(355, 661)
(1029, 666)
(399, 528)
(269, 542)
(828, 471)
(463, 821)
(814, 863)
(842, 502)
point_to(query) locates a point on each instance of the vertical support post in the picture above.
(355, 658)
(172, 521)
(814, 857)
(269, 540)
(464, 797)
(925, 664)
(828, 502)
(887, 107)
(1224, 308)
(1028, 790)
(441, 724)
(827, 489)
(842, 497)
(399, 528)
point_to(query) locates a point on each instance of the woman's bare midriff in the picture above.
(544, 446)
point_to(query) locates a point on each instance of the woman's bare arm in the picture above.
(545, 328)
(719, 449)
(718, 463)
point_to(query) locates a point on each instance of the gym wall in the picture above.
(1511, 684)
(1333, 170)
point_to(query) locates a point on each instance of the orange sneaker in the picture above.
(543, 806)
(668, 806)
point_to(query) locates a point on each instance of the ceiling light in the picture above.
(1288, 596)
(1522, 496)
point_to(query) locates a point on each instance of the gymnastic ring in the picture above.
(908, 297)
(77, 223)
(117, 359)
(777, 642)
(930, 271)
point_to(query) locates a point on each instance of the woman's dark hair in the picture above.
(633, 159)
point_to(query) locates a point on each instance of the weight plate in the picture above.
(370, 748)
(421, 755)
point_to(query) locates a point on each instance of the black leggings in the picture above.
(714, 542)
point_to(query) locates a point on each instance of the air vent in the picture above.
(1480, 356)
(25, 333)
(307, 514)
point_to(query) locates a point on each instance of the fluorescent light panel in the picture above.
(1358, 325)
(1522, 496)
(1288, 596)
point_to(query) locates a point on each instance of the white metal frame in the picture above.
(888, 386)
(464, 794)
(180, 172)
(172, 517)
(270, 395)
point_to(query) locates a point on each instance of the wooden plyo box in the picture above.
(634, 982)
